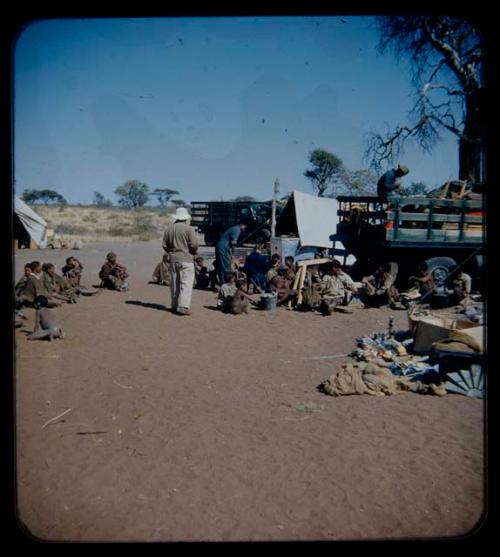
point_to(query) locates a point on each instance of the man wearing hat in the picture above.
(181, 244)
(391, 181)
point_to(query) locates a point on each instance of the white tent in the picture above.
(28, 225)
(313, 219)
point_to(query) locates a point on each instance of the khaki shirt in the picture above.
(180, 242)
(337, 285)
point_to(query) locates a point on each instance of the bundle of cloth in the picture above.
(371, 379)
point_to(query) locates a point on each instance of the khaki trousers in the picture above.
(181, 284)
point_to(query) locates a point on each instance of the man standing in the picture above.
(181, 244)
(391, 181)
(224, 249)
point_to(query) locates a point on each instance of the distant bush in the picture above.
(89, 218)
(101, 201)
(143, 225)
(70, 229)
(119, 230)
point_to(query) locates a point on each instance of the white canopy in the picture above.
(315, 221)
(32, 222)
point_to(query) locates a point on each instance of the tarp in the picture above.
(316, 219)
(313, 219)
(33, 223)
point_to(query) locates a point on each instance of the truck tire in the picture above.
(439, 267)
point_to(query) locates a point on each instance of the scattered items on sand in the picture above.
(372, 379)
(390, 362)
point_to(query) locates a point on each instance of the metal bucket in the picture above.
(268, 301)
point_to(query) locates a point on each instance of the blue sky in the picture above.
(211, 107)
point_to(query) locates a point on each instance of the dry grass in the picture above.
(104, 225)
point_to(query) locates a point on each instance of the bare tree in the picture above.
(447, 58)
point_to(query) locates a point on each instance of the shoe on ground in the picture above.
(183, 311)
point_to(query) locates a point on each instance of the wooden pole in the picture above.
(296, 283)
(303, 271)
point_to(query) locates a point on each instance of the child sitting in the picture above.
(239, 302)
(46, 324)
(60, 287)
(161, 274)
(290, 268)
(227, 290)
(113, 275)
(202, 278)
(282, 286)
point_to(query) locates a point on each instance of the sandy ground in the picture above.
(211, 427)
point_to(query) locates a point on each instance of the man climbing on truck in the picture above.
(391, 181)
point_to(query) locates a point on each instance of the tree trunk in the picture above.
(471, 150)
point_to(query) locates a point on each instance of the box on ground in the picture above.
(429, 329)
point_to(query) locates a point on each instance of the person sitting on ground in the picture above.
(239, 302)
(212, 276)
(46, 322)
(59, 286)
(282, 286)
(337, 288)
(378, 289)
(37, 285)
(227, 290)
(460, 287)
(201, 275)
(21, 284)
(423, 280)
(255, 268)
(161, 274)
(274, 266)
(113, 275)
(291, 268)
(72, 271)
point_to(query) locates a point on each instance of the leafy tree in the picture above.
(326, 169)
(415, 188)
(360, 182)
(132, 194)
(164, 195)
(179, 203)
(447, 57)
(45, 197)
(30, 196)
(101, 201)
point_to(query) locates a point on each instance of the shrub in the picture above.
(119, 230)
(70, 229)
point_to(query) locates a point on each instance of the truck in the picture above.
(212, 218)
(442, 233)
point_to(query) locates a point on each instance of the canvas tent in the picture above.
(30, 230)
(313, 220)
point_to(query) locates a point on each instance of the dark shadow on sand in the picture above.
(148, 305)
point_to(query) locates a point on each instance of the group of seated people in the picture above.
(43, 288)
(326, 287)
(43, 280)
